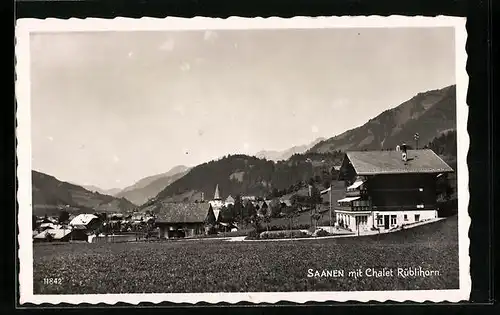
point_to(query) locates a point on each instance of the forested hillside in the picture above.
(242, 174)
(50, 195)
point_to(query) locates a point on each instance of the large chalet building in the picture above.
(386, 189)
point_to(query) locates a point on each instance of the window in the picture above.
(393, 220)
(417, 217)
(406, 217)
(380, 220)
(361, 220)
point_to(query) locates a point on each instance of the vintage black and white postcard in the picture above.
(242, 159)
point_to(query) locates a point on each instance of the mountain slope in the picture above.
(286, 154)
(50, 195)
(427, 114)
(242, 174)
(111, 192)
(149, 187)
(143, 194)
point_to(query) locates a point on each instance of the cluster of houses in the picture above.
(382, 190)
(87, 227)
(78, 228)
(175, 220)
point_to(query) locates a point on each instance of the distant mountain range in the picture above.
(428, 114)
(51, 195)
(286, 154)
(150, 186)
(111, 192)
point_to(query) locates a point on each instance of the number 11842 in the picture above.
(52, 281)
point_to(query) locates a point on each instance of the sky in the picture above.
(109, 108)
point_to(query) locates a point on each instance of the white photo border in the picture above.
(24, 27)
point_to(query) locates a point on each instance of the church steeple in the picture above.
(216, 195)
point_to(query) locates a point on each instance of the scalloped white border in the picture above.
(23, 132)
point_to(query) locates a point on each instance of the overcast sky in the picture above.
(111, 108)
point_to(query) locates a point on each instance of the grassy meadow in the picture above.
(250, 266)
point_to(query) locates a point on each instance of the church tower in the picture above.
(216, 203)
(216, 195)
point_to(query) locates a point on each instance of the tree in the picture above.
(63, 216)
(444, 188)
(226, 214)
(238, 209)
(315, 216)
(249, 212)
(275, 193)
(264, 211)
(275, 210)
(326, 183)
(315, 197)
(291, 213)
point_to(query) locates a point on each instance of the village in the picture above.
(380, 192)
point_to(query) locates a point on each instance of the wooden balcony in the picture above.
(352, 208)
(353, 193)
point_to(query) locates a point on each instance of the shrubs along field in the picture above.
(251, 266)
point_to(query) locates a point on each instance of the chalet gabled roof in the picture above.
(182, 212)
(82, 219)
(390, 162)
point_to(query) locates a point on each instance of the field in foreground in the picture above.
(218, 266)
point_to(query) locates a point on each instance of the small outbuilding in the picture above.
(184, 219)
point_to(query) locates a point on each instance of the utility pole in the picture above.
(330, 207)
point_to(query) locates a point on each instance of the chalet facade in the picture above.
(386, 189)
(184, 219)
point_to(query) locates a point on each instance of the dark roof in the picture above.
(390, 162)
(182, 212)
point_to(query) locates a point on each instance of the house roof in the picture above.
(55, 233)
(48, 225)
(216, 214)
(182, 212)
(248, 197)
(82, 219)
(390, 162)
(348, 199)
